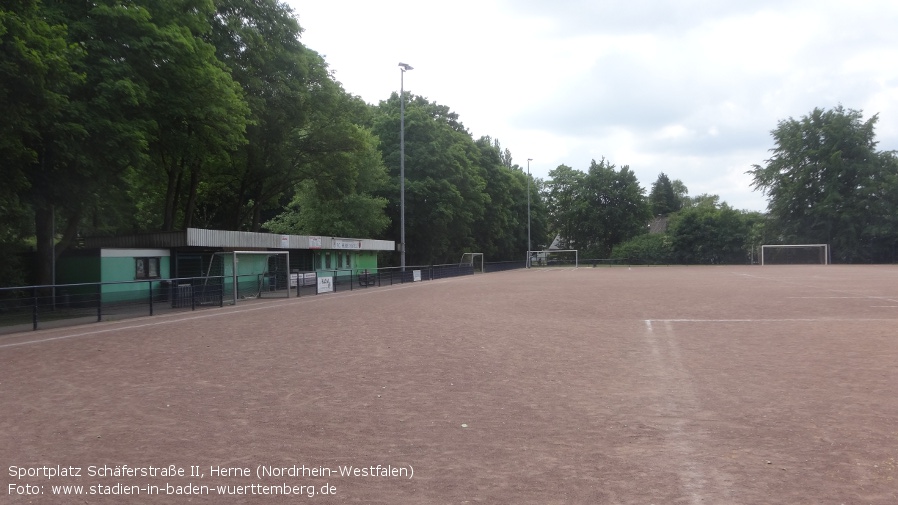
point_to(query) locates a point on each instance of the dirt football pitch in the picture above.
(643, 385)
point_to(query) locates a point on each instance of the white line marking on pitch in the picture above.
(785, 320)
(676, 393)
(831, 297)
(832, 290)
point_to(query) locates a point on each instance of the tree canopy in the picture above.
(123, 117)
(596, 210)
(827, 183)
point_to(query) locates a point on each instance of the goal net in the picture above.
(553, 258)
(795, 254)
(474, 260)
(252, 274)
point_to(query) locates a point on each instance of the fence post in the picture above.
(99, 302)
(192, 296)
(34, 309)
(150, 284)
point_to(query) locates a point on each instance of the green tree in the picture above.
(663, 197)
(86, 133)
(820, 179)
(292, 99)
(37, 75)
(501, 231)
(340, 201)
(648, 248)
(709, 233)
(681, 192)
(597, 210)
(445, 190)
(197, 109)
(564, 203)
(880, 196)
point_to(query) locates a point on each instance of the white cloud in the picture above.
(690, 88)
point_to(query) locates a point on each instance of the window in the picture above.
(348, 262)
(146, 268)
(327, 260)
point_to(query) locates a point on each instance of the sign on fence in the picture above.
(325, 284)
(416, 275)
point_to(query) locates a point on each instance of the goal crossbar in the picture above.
(470, 258)
(822, 254)
(544, 255)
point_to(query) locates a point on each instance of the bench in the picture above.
(366, 278)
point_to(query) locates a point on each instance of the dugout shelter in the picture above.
(263, 261)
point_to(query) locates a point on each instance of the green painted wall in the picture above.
(329, 260)
(367, 260)
(92, 268)
(249, 267)
(123, 269)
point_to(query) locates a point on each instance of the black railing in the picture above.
(501, 266)
(37, 307)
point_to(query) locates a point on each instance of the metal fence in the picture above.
(350, 279)
(39, 307)
(501, 266)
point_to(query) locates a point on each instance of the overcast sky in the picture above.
(691, 88)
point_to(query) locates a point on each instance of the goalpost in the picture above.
(253, 274)
(553, 257)
(795, 254)
(470, 259)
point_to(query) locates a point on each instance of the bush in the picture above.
(649, 249)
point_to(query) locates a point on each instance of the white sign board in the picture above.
(294, 278)
(416, 275)
(339, 243)
(314, 242)
(325, 284)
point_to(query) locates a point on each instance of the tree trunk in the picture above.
(43, 226)
(190, 207)
(171, 198)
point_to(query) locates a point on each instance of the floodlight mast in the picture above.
(528, 211)
(403, 67)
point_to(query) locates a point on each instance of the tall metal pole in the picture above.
(528, 211)
(53, 256)
(403, 67)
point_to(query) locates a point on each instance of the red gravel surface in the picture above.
(650, 385)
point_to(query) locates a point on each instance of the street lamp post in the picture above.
(528, 211)
(402, 68)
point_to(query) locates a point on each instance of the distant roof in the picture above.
(658, 224)
(198, 237)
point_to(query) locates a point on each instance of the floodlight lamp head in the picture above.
(405, 66)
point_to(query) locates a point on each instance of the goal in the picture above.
(252, 274)
(472, 260)
(553, 258)
(795, 254)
